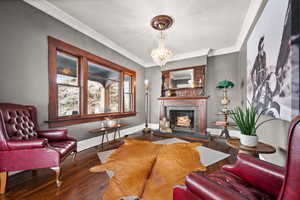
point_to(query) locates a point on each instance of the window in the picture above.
(128, 96)
(84, 87)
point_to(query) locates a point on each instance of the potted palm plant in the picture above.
(248, 122)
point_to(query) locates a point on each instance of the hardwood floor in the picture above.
(78, 182)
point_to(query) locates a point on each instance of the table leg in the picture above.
(102, 140)
(107, 136)
(115, 132)
(119, 133)
(226, 133)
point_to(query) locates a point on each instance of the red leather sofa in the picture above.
(23, 146)
(249, 178)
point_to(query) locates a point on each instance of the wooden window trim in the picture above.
(55, 45)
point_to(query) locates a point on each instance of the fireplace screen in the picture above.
(182, 119)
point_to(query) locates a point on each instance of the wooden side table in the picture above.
(105, 131)
(261, 148)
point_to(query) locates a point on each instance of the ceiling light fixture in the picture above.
(161, 55)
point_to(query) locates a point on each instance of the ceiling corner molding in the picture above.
(204, 52)
(193, 54)
(64, 17)
(252, 12)
(226, 50)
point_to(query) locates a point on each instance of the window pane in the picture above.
(68, 100)
(113, 97)
(127, 102)
(67, 69)
(96, 97)
(103, 89)
(97, 71)
(127, 84)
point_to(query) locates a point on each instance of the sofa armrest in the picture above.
(258, 173)
(180, 192)
(55, 135)
(206, 189)
(26, 144)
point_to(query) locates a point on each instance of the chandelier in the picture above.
(161, 54)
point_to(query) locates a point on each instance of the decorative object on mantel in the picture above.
(225, 85)
(248, 122)
(161, 54)
(147, 89)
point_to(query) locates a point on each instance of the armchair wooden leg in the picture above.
(58, 175)
(74, 157)
(3, 180)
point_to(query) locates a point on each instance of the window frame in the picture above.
(84, 57)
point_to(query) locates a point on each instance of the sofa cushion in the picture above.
(173, 163)
(131, 165)
(232, 181)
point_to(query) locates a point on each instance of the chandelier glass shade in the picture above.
(161, 54)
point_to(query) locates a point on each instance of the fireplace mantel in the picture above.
(200, 102)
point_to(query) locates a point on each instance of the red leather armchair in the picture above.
(249, 178)
(23, 146)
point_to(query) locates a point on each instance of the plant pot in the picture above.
(249, 140)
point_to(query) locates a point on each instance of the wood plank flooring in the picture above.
(78, 182)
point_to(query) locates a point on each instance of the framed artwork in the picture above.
(272, 68)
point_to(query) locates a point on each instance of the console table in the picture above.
(105, 131)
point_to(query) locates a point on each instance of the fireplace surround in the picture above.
(185, 106)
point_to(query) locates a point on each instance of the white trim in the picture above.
(64, 17)
(88, 143)
(204, 52)
(223, 51)
(252, 12)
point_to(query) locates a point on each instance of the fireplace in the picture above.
(183, 114)
(182, 119)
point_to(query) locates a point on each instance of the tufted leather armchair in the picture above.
(23, 146)
(249, 178)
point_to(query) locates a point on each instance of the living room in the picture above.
(149, 99)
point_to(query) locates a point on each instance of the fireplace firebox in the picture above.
(182, 120)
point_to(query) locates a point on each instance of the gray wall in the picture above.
(24, 60)
(218, 68)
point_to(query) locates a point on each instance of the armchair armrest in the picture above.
(259, 173)
(206, 189)
(26, 144)
(55, 135)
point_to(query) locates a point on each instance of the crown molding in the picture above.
(204, 52)
(249, 20)
(64, 17)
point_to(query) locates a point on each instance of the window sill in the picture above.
(85, 119)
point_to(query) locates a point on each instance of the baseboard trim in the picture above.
(89, 143)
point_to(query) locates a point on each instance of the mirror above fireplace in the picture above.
(189, 81)
(182, 79)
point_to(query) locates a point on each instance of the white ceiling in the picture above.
(199, 24)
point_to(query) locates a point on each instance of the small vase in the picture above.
(249, 140)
